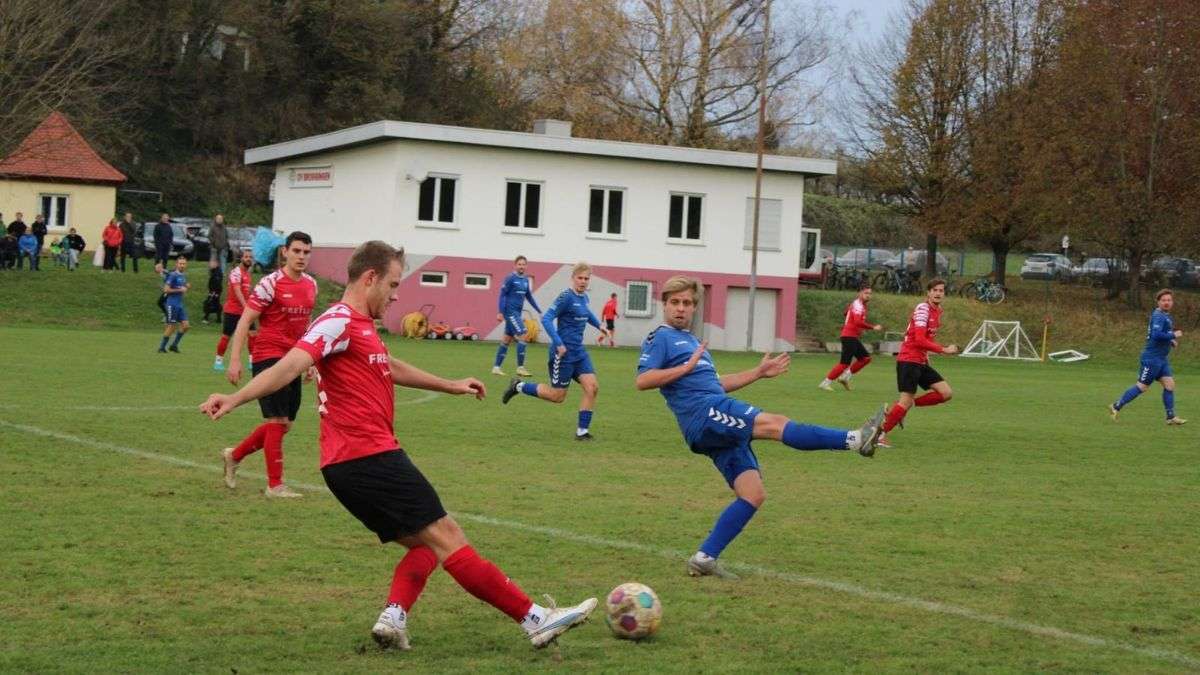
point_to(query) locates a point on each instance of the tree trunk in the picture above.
(1135, 271)
(1000, 262)
(931, 246)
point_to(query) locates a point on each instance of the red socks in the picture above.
(411, 574)
(273, 452)
(894, 416)
(836, 371)
(482, 579)
(222, 344)
(251, 443)
(931, 398)
(860, 364)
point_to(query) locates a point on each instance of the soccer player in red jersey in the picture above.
(855, 356)
(364, 465)
(609, 316)
(235, 302)
(912, 363)
(281, 303)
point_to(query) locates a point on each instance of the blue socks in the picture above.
(520, 354)
(178, 337)
(163, 344)
(529, 389)
(585, 419)
(812, 437)
(501, 352)
(1130, 394)
(729, 525)
(1169, 403)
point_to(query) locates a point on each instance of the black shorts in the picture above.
(283, 403)
(386, 492)
(852, 348)
(231, 322)
(611, 323)
(910, 375)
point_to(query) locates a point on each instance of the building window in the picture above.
(687, 213)
(480, 281)
(436, 203)
(605, 210)
(523, 205)
(637, 298)
(433, 278)
(54, 210)
(770, 216)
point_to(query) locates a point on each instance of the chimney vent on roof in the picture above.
(552, 128)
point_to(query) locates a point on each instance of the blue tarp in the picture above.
(265, 244)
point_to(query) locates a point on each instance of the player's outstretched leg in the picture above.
(830, 377)
(412, 572)
(542, 391)
(812, 437)
(1126, 398)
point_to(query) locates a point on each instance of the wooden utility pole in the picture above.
(758, 169)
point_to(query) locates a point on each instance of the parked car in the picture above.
(180, 244)
(914, 261)
(863, 258)
(197, 233)
(1098, 270)
(1052, 266)
(1174, 272)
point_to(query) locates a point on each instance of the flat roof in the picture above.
(384, 130)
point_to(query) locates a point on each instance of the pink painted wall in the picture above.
(458, 306)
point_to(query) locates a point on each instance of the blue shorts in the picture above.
(1151, 371)
(175, 314)
(514, 325)
(724, 433)
(568, 367)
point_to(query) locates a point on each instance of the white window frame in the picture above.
(604, 233)
(521, 228)
(445, 278)
(684, 240)
(649, 311)
(437, 194)
(487, 281)
(66, 209)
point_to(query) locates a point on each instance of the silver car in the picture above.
(863, 258)
(1052, 266)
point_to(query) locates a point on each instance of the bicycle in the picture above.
(897, 281)
(984, 289)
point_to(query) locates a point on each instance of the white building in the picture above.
(465, 202)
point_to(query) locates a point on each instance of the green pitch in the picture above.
(1014, 529)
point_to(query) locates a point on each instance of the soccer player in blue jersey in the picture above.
(1160, 337)
(564, 322)
(515, 290)
(175, 284)
(721, 427)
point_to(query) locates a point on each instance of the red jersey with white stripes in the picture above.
(919, 338)
(286, 305)
(355, 393)
(239, 277)
(856, 319)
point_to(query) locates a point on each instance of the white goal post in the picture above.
(1001, 340)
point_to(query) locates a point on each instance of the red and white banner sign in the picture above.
(311, 176)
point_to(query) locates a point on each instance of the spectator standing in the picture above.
(218, 243)
(26, 246)
(39, 230)
(74, 244)
(112, 237)
(17, 227)
(8, 252)
(164, 235)
(129, 241)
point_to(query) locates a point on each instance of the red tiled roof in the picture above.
(55, 150)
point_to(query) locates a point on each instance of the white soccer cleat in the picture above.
(391, 629)
(559, 621)
(844, 380)
(231, 466)
(1176, 421)
(496, 370)
(825, 384)
(282, 491)
(523, 372)
(1113, 412)
(700, 565)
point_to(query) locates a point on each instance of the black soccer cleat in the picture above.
(513, 389)
(161, 350)
(586, 436)
(173, 348)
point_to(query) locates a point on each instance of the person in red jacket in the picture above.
(112, 238)
(855, 356)
(912, 363)
(609, 316)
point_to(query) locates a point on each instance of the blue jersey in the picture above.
(1159, 335)
(175, 280)
(690, 396)
(513, 293)
(571, 314)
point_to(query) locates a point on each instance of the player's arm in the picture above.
(237, 292)
(591, 319)
(287, 369)
(653, 378)
(922, 340)
(548, 323)
(502, 300)
(769, 366)
(532, 301)
(408, 375)
(233, 371)
(1160, 331)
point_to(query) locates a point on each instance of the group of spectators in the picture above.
(120, 239)
(22, 242)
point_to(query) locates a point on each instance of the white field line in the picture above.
(887, 597)
(425, 397)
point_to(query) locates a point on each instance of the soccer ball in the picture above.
(632, 611)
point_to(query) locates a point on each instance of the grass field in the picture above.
(1014, 529)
